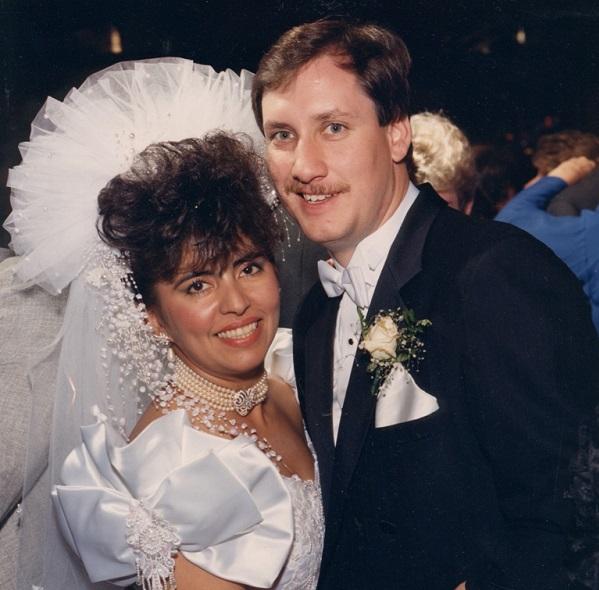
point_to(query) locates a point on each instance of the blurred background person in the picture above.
(575, 239)
(501, 171)
(442, 156)
(554, 148)
(576, 198)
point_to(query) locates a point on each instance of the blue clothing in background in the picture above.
(574, 239)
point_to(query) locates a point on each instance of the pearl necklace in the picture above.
(220, 398)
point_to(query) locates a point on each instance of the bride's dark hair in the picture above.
(197, 196)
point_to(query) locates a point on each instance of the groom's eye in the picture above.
(281, 135)
(336, 127)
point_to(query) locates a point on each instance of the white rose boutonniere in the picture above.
(381, 338)
(393, 336)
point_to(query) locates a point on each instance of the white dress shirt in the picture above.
(369, 257)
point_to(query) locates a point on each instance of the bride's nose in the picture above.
(234, 299)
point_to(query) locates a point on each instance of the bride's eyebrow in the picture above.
(248, 257)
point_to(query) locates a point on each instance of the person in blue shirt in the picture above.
(575, 239)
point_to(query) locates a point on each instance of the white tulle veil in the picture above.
(76, 147)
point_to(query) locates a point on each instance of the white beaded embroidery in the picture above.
(204, 417)
(301, 571)
(154, 542)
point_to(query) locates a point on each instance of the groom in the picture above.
(457, 478)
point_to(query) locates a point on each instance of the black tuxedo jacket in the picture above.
(476, 490)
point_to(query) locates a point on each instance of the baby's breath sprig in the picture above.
(391, 337)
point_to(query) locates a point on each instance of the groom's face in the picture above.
(330, 159)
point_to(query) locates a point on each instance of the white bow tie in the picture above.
(349, 280)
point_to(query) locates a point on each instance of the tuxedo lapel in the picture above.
(403, 263)
(316, 406)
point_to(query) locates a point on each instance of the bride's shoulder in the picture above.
(282, 392)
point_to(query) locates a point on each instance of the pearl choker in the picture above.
(221, 398)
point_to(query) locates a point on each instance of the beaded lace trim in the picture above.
(204, 417)
(154, 542)
(301, 571)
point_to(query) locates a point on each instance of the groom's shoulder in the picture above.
(455, 236)
(453, 240)
(475, 254)
(482, 232)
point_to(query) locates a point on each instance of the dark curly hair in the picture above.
(199, 193)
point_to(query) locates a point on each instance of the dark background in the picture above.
(467, 59)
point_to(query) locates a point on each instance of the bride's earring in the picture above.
(164, 340)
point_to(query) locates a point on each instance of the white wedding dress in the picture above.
(303, 565)
(126, 508)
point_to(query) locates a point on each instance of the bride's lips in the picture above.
(241, 334)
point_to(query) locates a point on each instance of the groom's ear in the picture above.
(400, 138)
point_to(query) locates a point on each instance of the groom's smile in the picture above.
(315, 193)
(333, 164)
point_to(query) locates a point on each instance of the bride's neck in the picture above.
(234, 382)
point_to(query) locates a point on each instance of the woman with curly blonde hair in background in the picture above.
(442, 156)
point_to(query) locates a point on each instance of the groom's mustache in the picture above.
(316, 189)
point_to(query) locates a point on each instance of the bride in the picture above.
(176, 460)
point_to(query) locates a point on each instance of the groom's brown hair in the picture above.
(379, 59)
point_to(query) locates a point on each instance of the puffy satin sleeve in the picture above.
(279, 358)
(127, 508)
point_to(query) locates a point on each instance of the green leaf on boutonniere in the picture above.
(391, 337)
